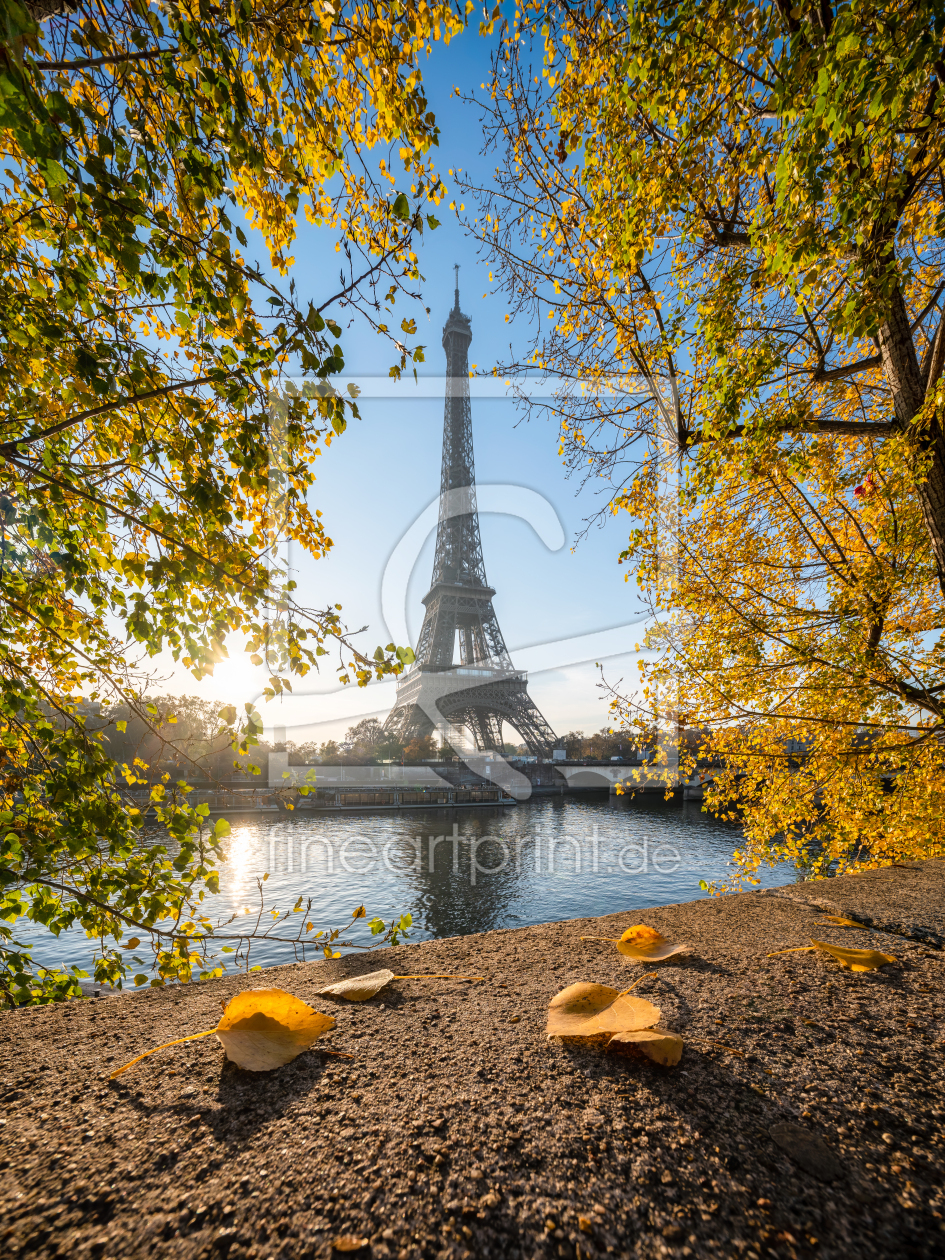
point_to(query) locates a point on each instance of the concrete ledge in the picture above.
(805, 1118)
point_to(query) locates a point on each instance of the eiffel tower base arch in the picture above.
(433, 702)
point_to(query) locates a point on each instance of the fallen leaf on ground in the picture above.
(642, 944)
(260, 1029)
(851, 959)
(360, 988)
(659, 1044)
(856, 959)
(596, 1013)
(589, 1011)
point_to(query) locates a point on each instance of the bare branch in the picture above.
(850, 369)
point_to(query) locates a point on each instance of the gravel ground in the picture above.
(804, 1118)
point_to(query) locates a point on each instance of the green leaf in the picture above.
(401, 207)
(55, 174)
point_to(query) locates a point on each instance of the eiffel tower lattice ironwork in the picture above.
(480, 690)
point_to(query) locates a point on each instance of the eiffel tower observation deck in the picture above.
(463, 685)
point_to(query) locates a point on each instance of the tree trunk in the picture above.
(901, 369)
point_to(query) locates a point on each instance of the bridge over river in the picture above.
(430, 785)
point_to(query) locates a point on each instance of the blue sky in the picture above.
(379, 476)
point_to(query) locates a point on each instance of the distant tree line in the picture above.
(367, 742)
(186, 739)
(602, 745)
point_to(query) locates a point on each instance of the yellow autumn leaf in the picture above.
(360, 988)
(260, 1029)
(642, 944)
(659, 1044)
(645, 944)
(856, 959)
(590, 1011)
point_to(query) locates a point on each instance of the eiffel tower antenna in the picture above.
(463, 676)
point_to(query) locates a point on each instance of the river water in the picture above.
(458, 871)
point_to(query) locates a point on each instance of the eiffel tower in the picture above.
(480, 690)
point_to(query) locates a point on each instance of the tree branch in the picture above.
(726, 236)
(853, 427)
(10, 448)
(198, 937)
(933, 300)
(88, 63)
(934, 358)
(836, 374)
